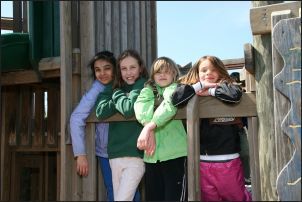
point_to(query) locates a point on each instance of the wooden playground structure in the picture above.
(36, 156)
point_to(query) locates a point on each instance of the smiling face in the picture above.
(163, 77)
(130, 70)
(208, 72)
(103, 71)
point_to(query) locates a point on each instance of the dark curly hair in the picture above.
(104, 55)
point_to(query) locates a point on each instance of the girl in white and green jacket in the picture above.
(163, 139)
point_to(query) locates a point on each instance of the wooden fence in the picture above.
(205, 107)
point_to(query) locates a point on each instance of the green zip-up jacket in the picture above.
(122, 136)
(170, 135)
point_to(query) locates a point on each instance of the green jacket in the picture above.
(122, 137)
(170, 135)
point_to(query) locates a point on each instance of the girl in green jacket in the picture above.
(125, 159)
(163, 139)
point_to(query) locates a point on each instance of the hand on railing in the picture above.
(146, 139)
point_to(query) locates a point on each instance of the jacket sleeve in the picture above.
(79, 116)
(228, 92)
(105, 106)
(182, 94)
(144, 106)
(125, 104)
(166, 110)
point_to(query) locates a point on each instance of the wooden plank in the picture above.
(249, 68)
(50, 74)
(236, 63)
(265, 111)
(136, 22)
(24, 16)
(124, 26)
(116, 47)
(107, 25)
(210, 107)
(89, 182)
(130, 24)
(284, 149)
(10, 110)
(153, 36)
(100, 25)
(52, 117)
(66, 76)
(50, 63)
(143, 48)
(38, 126)
(8, 128)
(19, 77)
(87, 43)
(25, 116)
(287, 40)
(17, 15)
(7, 23)
(260, 17)
(254, 158)
(193, 150)
(249, 58)
(214, 108)
(149, 60)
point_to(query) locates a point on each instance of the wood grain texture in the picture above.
(287, 40)
(260, 17)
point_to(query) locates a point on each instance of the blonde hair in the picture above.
(162, 64)
(193, 75)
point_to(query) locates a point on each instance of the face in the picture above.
(208, 72)
(130, 70)
(103, 71)
(163, 78)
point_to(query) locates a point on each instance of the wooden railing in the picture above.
(204, 107)
(17, 23)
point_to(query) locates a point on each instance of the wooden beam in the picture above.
(249, 58)
(214, 108)
(19, 77)
(193, 149)
(7, 23)
(51, 63)
(260, 17)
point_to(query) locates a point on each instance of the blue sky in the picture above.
(187, 30)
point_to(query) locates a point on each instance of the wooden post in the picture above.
(281, 104)
(287, 41)
(66, 102)
(265, 103)
(87, 44)
(193, 149)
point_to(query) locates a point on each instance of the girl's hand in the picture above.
(204, 92)
(207, 85)
(151, 144)
(142, 141)
(82, 165)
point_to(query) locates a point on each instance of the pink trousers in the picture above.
(223, 181)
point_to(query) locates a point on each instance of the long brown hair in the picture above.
(119, 82)
(193, 75)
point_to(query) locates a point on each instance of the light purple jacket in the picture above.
(78, 124)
